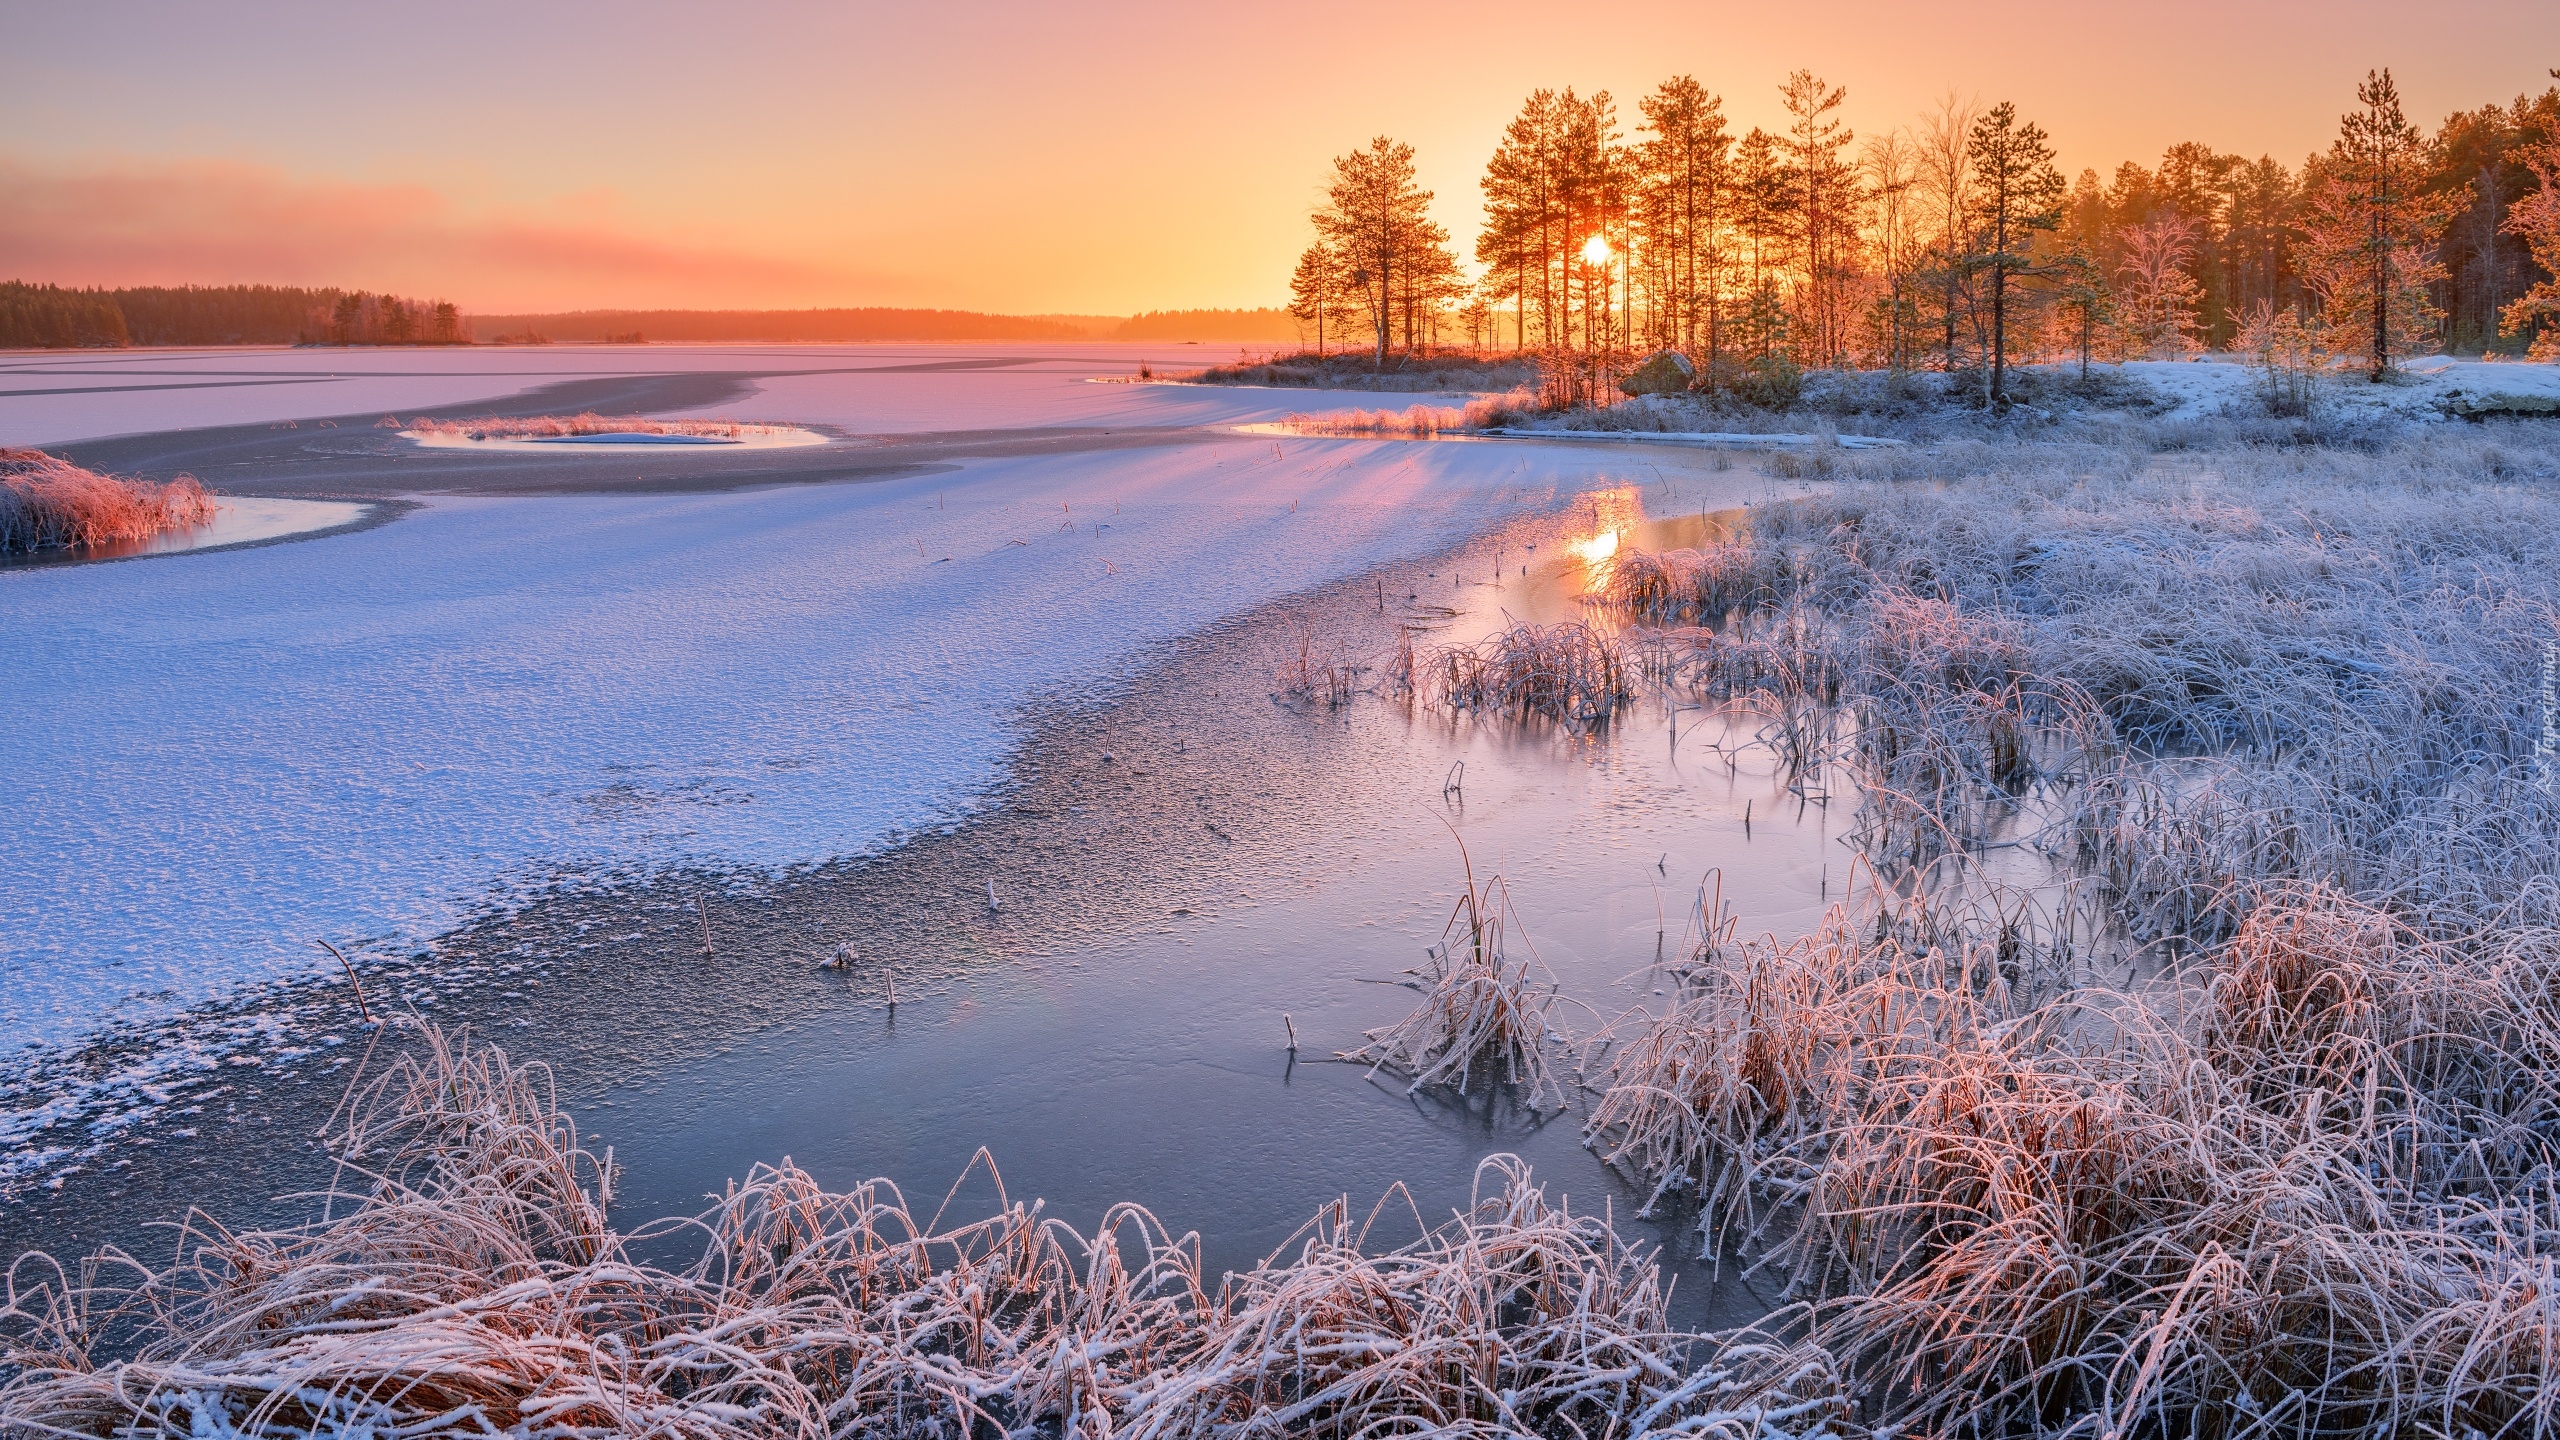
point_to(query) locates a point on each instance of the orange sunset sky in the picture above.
(1013, 157)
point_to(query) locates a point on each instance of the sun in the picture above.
(1596, 250)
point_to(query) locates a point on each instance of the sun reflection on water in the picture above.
(1614, 513)
(1597, 550)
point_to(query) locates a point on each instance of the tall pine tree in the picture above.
(1377, 219)
(2017, 193)
(2370, 231)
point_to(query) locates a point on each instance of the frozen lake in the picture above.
(367, 737)
(52, 397)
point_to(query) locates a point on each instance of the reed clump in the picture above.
(48, 503)
(1321, 674)
(1572, 673)
(467, 1279)
(1419, 422)
(2306, 1206)
(1486, 1019)
(1691, 586)
(563, 427)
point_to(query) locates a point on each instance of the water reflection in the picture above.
(1544, 587)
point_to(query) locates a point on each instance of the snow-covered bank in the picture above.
(361, 739)
(2432, 387)
(1701, 439)
(2158, 404)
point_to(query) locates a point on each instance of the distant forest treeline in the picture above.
(880, 323)
(52, 317)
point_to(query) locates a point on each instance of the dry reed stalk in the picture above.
(1328, 680)
(48, 503)
(362, 1010)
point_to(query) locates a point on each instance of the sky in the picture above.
(1015, 157)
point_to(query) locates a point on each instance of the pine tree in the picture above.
(2370, 230)
(1519, 211)
(2018, 193)
(2263, 218)
(1823, 202)
(2080, 293)
(1317, 292)
(1594, 186)
(2193, 180)
(2536, 220)
(1764, 192)
(1378, 220)
(1683, 168)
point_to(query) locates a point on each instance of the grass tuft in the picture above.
(48, 503)
(1572, 673)
(1485, 1019)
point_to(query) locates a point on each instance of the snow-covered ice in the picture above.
(221, 757)
(55, 397)
(1701, 439)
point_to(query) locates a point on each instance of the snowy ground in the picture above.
(225, 756)
(2433, 387)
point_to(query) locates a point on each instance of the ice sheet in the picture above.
(55, 397)
(225, 756)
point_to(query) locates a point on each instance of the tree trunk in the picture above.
(2381, 306)
(2000, 307)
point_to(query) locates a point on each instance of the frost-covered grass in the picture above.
(564, 427)
(1418, 422)
(1455, 370)
(2276, 711)
(2305, 1193)
(48, 503)
(1486, 1015)
(1570, 673)
(2157, 405)
(470, 1278)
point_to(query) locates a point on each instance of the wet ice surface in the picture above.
(373, 737)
